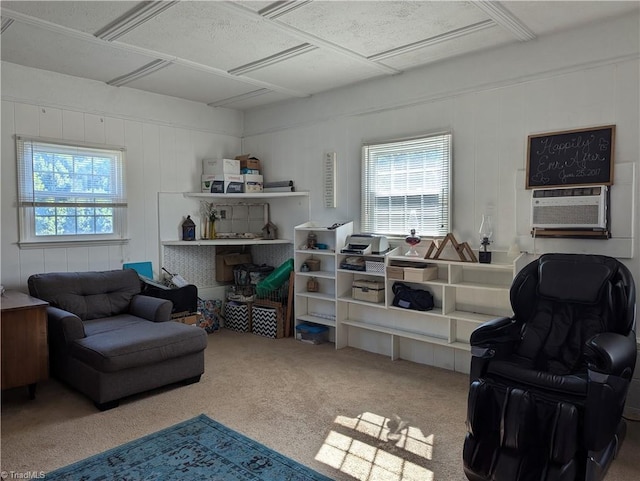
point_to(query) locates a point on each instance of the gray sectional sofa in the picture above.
(109, 341)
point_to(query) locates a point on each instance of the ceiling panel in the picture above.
(39, 48)
(210, 35)
(258, 101)
(179, 81)
(88, 17)
(458, 46)
(546, 17)
(206, 39)
(373, 27)
(314, 72)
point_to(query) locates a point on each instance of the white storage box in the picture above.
(221, 166)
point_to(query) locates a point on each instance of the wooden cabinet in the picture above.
(25, 355)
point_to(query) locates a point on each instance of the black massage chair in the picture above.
(548, 385)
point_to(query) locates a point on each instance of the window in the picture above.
(407, 185)
(70, 193)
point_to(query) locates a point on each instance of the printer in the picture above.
(364, 244)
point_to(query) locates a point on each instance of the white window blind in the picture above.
(70, 192)
(407, 185)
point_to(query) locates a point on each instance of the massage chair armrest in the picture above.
(612, 353)
(64, 326)
(496, 332)
(151, 308)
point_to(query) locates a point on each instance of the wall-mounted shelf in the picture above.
(248, 195)
(226, 242)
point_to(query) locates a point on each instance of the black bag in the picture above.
(409, 298)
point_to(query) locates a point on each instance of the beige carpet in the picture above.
(327, 409)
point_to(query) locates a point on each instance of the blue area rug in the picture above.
(197, 449)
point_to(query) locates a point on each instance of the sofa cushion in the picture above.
(88, 295)
(137, 344)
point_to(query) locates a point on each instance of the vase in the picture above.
(212, 229)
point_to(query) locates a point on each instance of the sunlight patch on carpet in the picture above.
(371, 447)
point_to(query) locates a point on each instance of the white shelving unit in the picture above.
(465, 295)
(318, 307)
(195, 260)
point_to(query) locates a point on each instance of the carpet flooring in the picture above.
(347, 414)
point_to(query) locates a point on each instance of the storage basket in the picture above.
(267, 319)
(237, 317)
(374, 266)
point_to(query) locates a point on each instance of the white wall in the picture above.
(165, 139)
(491, 102)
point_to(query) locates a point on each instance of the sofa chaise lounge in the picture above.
(108, 341)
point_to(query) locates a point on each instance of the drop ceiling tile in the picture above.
(259, 101)
(184, 82)
(38, 48)
(88, 17)
(544, 17)
(370, 27)
(210, 35)
(314, 72)
(488, 38)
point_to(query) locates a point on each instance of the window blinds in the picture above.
(405, 182)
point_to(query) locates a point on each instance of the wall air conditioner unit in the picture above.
(570, 208)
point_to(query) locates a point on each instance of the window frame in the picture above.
(443, 147)
(27, 201)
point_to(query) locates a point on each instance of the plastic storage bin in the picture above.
(311, 333)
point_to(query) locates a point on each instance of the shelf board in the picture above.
(351, 300)
(226, 242)
(477, 285)
(436, 311)
(321, 274)
(472, 316)
(317, 320)
(416, 336)
(317, 295)
(247, 195)
(473, 265)
(316, 252)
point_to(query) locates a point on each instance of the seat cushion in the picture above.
(137, 344)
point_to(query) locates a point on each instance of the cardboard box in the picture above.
(222, 184)
(395, 272)
(221, 166)
(252, 182)
(413, 274)
(226, 261)
(367, 290)
(248, 161)
(191, 319)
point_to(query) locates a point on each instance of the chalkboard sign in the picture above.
(571, 157)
